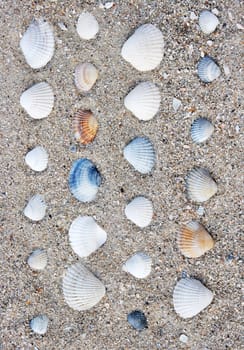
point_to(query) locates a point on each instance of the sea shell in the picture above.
(208, 22)
(199, 185)
(37, 44)
(86, 236)
(140, 154)
(85, 126)
(39, 324)
(82, 290)
(36, 208)
(38, 259)
(190, 297)
(37, 158)
(143, 101)
(85, 76)
(208, 70)
(201, 130)
(138, 265)
(84, 180)
(137, 320)
(139, 211)
(145, 48)
(38, 100)
(87, 26)
(194, 240)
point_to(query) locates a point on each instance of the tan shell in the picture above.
(85, 126)
(85, 76)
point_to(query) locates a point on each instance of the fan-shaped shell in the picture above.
(82, 290)
(143, 101)
(138, 265)
(87, 26)
(140, 154)
(38, 259)
(37, 44)
(85, 126)
(137, 320)
(36, 208)
(38, 100)
(39, 324)
(199, 185)
(201, 130)
(145, 48)
(208, 70)
(140, 211)
(190, 297)
(208, 22)
(37, 159)
(84, 180)
(85, 76)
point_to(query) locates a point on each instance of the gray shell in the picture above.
(208, 70)
(201, 130)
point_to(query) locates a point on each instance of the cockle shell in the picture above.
(82, 290)
(38, 259)
(86, 236)
(190, 297)
(39, 324)
(87, 26)
(139, 211)
(199, 185)
(84, 180)
(37, 159)
(85, 76)
(143, 101)
(208, 70)
(208, 22)
(201, 130)
(37, 44)
(138, 265)
(85, 126)
(38, 100)
(145, 48)
(194, 240)
(36, 208)
(137, 320)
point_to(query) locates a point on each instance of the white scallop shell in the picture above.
(37, 44)
(145, 48)
(82, 290)
(36, 208)
(140, 211)
(39, 324)
(37, 158)
(86, 236)
(140, 154)
(143, 101)
(38, 259)
(139, 265)
(208, 70)
(201, 130)
(87, 26)
(200, 185)
(38, 100)
(190, 297)
(85, 76)
(208, 22)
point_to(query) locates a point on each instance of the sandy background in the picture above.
(25, 294)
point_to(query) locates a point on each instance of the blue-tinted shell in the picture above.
(207, 69)
(201, 130)
(137, 320)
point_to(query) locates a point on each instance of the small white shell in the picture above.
(37, 44)
(145, 48)
(208, 70)
(39, 324)
(208, 22)
(140, 211)
(38, 100)
(38, 259)
(86, 236)
(143, 101)
(37, 159)
(87, 26)
(199, 185)
(139, 265)
(201, 130)
(85, 76)
(176, 104)
(190, 297)
(36, 208)
(82, 290)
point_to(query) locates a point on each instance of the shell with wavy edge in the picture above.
(207, 69)
(35, 209)
(140, 211)
(201, 130)
(208, 22)
(199, 185)
(85, 126)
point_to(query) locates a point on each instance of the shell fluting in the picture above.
(208, 22)
(35, 209)
(37, 159)
(85, 126)
(138, 265)
(140, 211)
(38, 259)
(199, 185)
(85, 76)
(201, 130)
(39, 324)
(208, 70)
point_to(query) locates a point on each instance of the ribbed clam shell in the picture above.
(39, 324)
(36, 208)
(208, 22)
(38, 259)
(140, 154)
(190, 297)
(143, 101)
(199, 185)
(85, 126)
(139, 265)
(194, 240)
(201, 130)
(137, 320)
(82, 290)
(37, 158)
(86, 236)
(37, 44)
(84, 180)
(208, 70)
(87, 26)
(85, 76)
(145, 48)
(140, 211)
(38, 100)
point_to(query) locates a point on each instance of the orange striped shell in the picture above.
(85, 126)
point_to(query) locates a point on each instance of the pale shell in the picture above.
(36, 208)
(140, 211)
(87, 26)
(38, 260)
(39, 324)
(139, 265)
(201, 130)
(199, 185)
(208, 70)
(85, 76)
(208, 22)
(37, 159)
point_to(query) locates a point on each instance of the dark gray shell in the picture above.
(137, 320)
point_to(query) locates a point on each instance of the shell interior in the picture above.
(85, 76)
